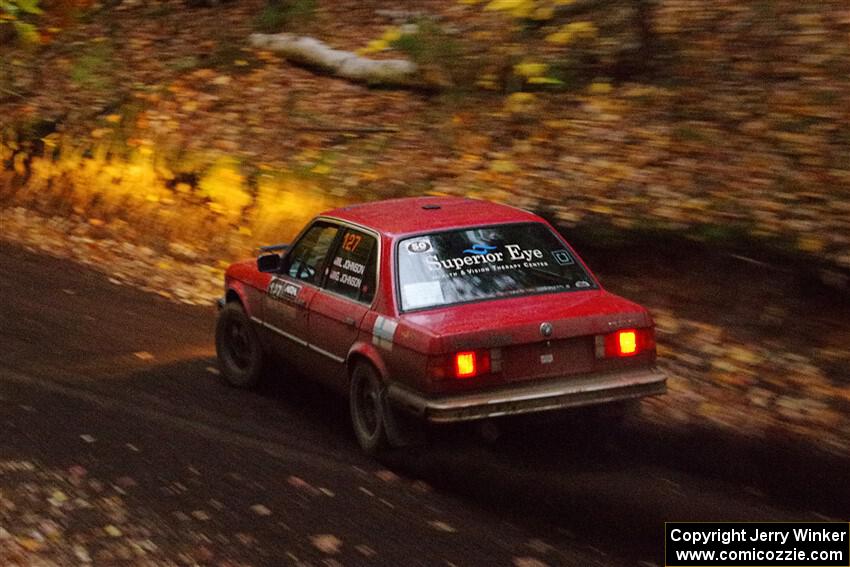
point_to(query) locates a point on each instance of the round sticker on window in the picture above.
(419, 246)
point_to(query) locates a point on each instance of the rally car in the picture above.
(434, 309)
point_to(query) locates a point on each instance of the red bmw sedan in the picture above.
(435, 309)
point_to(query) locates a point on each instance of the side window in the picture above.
(351, 271)
(304, 260)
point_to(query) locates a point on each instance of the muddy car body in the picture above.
(439, 309)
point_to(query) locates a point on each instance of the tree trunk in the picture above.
(345, 64)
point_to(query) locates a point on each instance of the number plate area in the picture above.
(548, 358)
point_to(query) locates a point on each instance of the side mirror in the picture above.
(269, 263)
(271, 257)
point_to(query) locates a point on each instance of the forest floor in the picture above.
(149, 139)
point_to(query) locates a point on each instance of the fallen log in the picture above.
(315, 53)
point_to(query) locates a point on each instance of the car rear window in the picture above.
(480, 263)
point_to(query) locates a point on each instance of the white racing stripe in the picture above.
(281, 332)
(300, 341)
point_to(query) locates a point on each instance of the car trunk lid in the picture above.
(533, 337)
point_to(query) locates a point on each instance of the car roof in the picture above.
(397, 217)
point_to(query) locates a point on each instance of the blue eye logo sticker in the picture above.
(479, 249)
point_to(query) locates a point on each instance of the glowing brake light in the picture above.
(625, 343)
(471, 363)
(465, 364)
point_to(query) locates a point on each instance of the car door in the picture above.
(338, 308)
(291, 291)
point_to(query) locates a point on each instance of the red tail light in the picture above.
(465, 364)
(471, 363)
(625, 343)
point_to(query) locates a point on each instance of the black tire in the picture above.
(368, 409)
(240, 354)
(607, 424)
(617, 414)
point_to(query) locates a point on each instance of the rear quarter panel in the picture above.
(412, 349)
(400, 356)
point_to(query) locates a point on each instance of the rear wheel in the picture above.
(368, 409)
(240, 354)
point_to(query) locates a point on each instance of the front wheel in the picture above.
(240, 354)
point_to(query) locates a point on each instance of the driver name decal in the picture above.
(342, 267)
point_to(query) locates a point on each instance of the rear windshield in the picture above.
(485, 263)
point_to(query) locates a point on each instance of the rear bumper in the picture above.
(516, 399)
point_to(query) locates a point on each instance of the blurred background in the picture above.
(696, 153)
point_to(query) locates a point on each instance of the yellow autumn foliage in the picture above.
(517, 8)
(520, 102)
(374, 46)
(572, 32)
(542, 13)
(544, 81)
(223, 185)
(283, 205)
(391, 34)
(540, 10)
(599, 88)
(531, 69)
